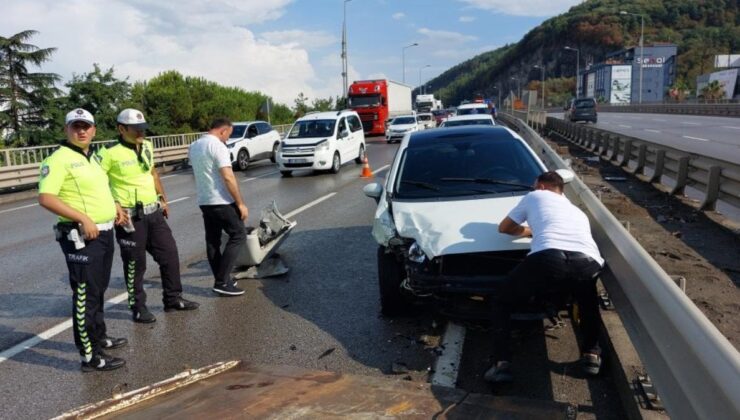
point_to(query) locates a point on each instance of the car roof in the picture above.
(470, 117)
(248, 122)
(404, 116)
(473, 105)
(328, 115)
(470, 132)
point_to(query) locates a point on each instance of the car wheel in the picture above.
(274, 152)
(390, 276)
(361, 155)
(242, 160)
(335, 163)
(286, 173)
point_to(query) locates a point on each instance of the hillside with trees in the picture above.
(700, 29)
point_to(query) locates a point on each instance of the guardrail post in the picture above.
(641, 159)
(605, 143)
(7, 158)
(681, 176)
(627, 153)
(659, 165)
(713, 179)
(616, 140)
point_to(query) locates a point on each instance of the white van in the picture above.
(322, 141)
(250, 141)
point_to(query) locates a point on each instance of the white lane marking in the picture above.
(177, 199)
(732, 127)
(51, 332)
(19, 208)
(382, 168)
(309, 205)
(652, 131)
(689, 123)
(625, 126)
(168, 176)
(695, 138)
(260, 176)
(448, 364)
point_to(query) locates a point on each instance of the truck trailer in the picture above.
(376, 101)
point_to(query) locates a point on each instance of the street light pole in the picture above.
(344, 50)
(403, 60)
(642, 46)
(542, 69)
(578, 66)
(421, 85)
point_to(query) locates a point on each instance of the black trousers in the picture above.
(217, 219)
(152, 235)
(551, 270)
(89, 275)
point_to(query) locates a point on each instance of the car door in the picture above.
(344, 143)
(251, 137)
(264, 139)
(356, 133)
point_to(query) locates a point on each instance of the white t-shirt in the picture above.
(207, 156)
(555, 224)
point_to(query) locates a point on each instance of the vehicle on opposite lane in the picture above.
(582, 109)
(436, 214)
(322, 141)
(251, 141)
(470, 119)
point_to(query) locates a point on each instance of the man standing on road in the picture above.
(563, 257)
(73, 186)
(137, 188)
(220, 202)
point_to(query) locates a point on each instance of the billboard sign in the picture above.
(726, 78)
(621, 86)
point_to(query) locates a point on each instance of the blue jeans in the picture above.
(551, 270)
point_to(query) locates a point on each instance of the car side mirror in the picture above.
(566, 174)
(373, 190)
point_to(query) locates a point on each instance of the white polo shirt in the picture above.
(555, 224)
(207, 156)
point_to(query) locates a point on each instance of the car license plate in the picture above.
(297, 160)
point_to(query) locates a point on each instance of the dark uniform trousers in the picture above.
(218, 218)
(548, 270)
(89, 275)
(152, 234)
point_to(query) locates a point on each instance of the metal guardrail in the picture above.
(716, 179)
(696, 369)
(20, 166)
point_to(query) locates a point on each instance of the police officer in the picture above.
(138, 190)
(73, 186)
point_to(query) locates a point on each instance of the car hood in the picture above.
(304, 141)
(457, 227)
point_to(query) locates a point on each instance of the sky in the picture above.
(277, 47)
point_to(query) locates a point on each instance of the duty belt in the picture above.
(105, 226)
(148, 208)
(101, 226)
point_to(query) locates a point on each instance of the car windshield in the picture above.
(312, 128)
(403, 120)
(585, 104)
(238, 131)
(469, 111)
(368, 101)
(453, 166)
(467, 122)
(425, 117)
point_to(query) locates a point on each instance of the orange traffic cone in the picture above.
(366, 171)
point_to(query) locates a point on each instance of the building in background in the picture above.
(727, 74)
(617, 79)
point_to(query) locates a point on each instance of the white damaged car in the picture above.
(437, 217)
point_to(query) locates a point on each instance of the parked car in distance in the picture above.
(322, 141)
(437, 214)
(582, 109)
(251, 141)
(470, 119)
(427, 119)
(401, 125)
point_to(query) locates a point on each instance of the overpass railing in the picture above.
(695, 368)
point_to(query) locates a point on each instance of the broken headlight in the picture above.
(416, 254)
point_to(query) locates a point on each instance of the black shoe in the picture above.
(591, 363)
(181, 305)
(102, 362)
(109, 343)
(499, 373)
(228, 289)
(143, 316)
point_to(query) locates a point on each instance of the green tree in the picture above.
(713, 91)
(301, 105)
(23, 93)
(319, 104)
(101, 93)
